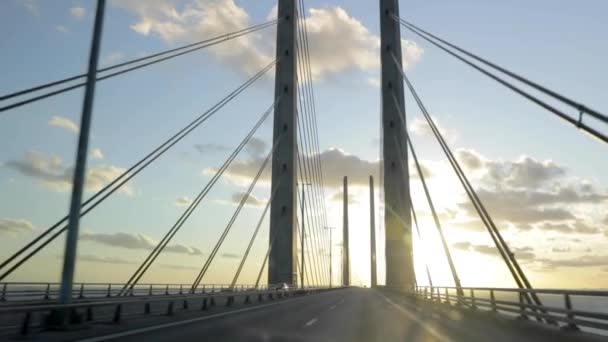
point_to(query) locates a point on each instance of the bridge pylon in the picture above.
(283, 254)
(397, 206)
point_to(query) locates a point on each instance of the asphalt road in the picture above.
(346, 315)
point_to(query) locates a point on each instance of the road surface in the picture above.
(346, 315)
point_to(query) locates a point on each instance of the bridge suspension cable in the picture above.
(501, 245)
(192, 207)
(582, 109)
(244, 199)
(307, 106)
(446, 248)
(127, 175)
(252, 240)
(426, 265)
(150, 60)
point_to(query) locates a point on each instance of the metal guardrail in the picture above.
(512, 301)
(28, 291)
(84, 311)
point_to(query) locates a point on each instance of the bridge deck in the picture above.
(345, 315)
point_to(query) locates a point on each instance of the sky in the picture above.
(542, 181)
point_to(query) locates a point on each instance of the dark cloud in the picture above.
(54, 174)
(518, 214)
(102, 259)
(211, 148)
(469, 159)
(257, 147)
(178, 267)
(231, 256)
(580, 261)
(335, 164)
(521, 253)
(252, 200)
(136, 241)
(523, 173)
(569, 228)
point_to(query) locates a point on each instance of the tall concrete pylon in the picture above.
(372, 234)
(397, 219)
(345, 247)
(283, 255)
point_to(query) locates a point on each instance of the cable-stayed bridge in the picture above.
(294, 296)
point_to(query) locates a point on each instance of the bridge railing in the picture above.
(570, 309)
(29, 291)
(38, 316)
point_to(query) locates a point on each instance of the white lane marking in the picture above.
(178, 323)
(332, 307)
(311, 322)
(415, 318)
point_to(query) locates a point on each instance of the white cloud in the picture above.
(64, 123)
(374, 82)
(78, 12)
(53, 174)
(31, 6)
(136, 241)
(112, 58)
(420, 127)
(15, 226)
(183, 201)
(203, 19)
(338, 42)
(62, 29)
(97, 154)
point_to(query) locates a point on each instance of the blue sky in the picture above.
(519, 149)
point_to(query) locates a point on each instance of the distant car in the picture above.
(282, 287)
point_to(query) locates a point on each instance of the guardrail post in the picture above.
(571, 326)
(181, 289)
(432, 295)
(204, 305)
(185, 305)
(493, 301)
(229, 301)
(170, 309)
(117, 314)
(150, 290)
(109, 294)
(25, 325)
(212, 287)
(203, 288)
(438, 295)
(247, 300)
(522, 307)
(260, 298)
(147, 308)
(81, 293)
(167, 290)
(425, 293)
(447, 297)
(3, 296)
(212, 301)
(473, 302)
(89, 316)
(47, 294)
